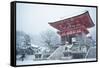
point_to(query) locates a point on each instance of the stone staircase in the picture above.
(57, 54)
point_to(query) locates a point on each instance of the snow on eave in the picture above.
(34, 45)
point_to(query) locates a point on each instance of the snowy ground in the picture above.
(29, 62)
(30, 59)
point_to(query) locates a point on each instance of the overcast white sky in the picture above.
(33, 18)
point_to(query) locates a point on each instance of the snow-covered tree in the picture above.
(50, 38)
(23, 43)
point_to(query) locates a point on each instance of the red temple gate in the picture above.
(70, 27)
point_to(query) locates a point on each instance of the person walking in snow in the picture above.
(22, 57)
